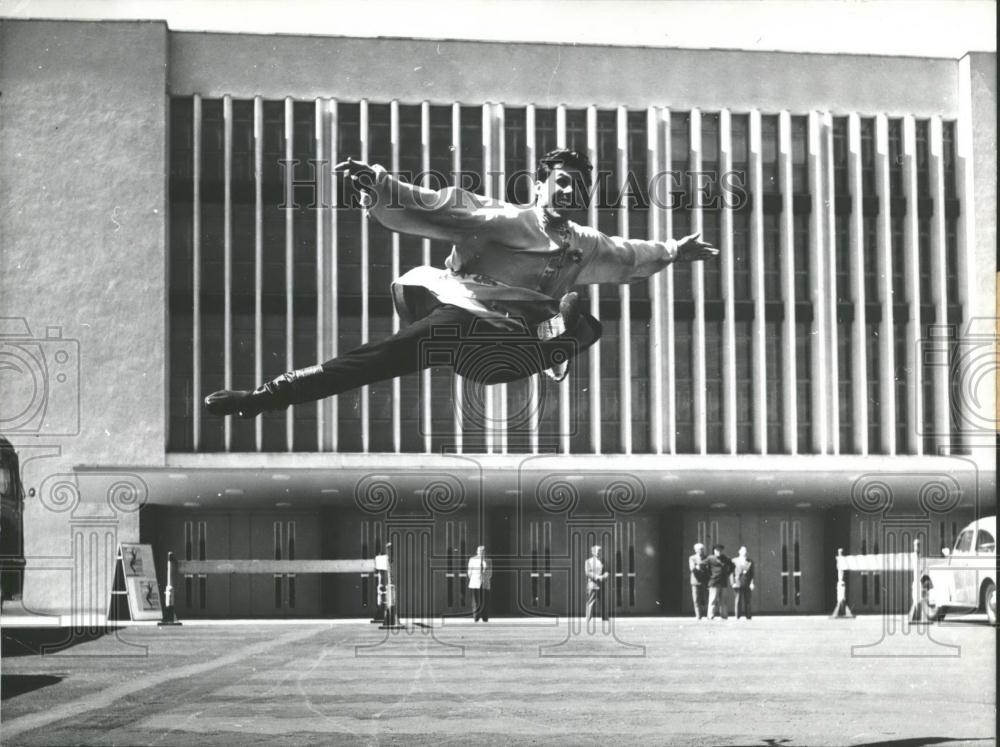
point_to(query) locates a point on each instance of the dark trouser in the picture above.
(743, 597)
(450, 336)
(595, 599)
(481, 604)
(699, 595)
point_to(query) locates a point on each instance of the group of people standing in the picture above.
(712, 574)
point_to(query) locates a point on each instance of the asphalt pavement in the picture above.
(668, 681)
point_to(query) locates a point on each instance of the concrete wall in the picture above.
(546, 75)
(977, 172)
(82, 231)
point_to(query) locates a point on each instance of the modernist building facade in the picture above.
(171, 224)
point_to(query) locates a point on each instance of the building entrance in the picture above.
(248, 535)
(786, 547)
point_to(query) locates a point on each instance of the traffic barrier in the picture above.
(903, 562)
(381, 564)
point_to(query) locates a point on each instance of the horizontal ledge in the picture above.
(487, 462)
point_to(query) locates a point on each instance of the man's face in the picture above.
(597, 552)
(563, 194)
(480, 551)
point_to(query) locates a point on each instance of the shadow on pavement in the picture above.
(41, 641)
(12, 685)
(908, 742)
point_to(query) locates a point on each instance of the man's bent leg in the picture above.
(490, 355)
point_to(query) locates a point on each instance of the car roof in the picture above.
(989, 523)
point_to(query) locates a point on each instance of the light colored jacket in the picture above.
(699, 570)
(506, 258)
(742, 573)
(594, 569)
(480, 572)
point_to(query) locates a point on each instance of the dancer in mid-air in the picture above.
(503, 308)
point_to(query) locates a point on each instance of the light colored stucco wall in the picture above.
(82, 248)
(977, 174)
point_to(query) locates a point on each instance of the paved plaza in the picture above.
(667, 681)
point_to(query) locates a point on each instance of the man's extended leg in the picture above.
(398, 355)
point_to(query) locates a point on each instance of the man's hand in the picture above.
(358, 172)
(693, 249)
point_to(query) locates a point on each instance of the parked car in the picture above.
(964, 580)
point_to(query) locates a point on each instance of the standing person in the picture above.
(699, 580)
(502, 307)
(596, 576)
(743, 583)
(720, 567)
(480, 574)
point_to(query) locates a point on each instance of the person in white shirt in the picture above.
(596, 576)
(743, 585)
(480, 574)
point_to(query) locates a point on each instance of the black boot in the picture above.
(292, 388)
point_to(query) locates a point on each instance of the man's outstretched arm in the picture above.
(444, 214)
(613, 259)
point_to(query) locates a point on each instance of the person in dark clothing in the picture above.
(720, 567)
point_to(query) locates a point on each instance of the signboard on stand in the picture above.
(135, 593)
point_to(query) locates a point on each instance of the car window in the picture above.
(964, 541)
(985, 543)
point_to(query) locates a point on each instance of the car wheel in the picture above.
(990, 602)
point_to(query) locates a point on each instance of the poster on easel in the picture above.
(135, 593)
